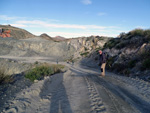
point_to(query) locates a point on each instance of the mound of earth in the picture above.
(45, 36)
(17, 33)
(59, 38)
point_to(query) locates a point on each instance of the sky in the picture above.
(76, 18)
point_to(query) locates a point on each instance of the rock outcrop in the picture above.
(87, 44)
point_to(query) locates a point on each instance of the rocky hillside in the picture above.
(45, 46)
(17, 33)
(84, 46)
(130, 53)
(35, 47)
(38, 46)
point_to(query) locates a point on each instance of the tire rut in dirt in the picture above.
(97, 105)
(115, 105)
(108, 99)
(121, 98)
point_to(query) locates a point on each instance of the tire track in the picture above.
(113, 99)
(142, 86)
(114, 103)
(121, 98)
(111, 96)
(97, 105)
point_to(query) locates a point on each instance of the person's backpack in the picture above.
(107, 56)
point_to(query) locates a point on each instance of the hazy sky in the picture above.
(73, 18)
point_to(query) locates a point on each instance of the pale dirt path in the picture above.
(81, 90)
(30, 59)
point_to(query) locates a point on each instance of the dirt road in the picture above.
(81, 90)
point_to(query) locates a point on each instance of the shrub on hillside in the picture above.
(139, 32)
(119, 67)
(122, 35)
(136, 32)
(145, 55)
(121, 44)
(146, 64)
(85, 54)
(147, 32)
(132, 63)
(40, 72)
(133, 38)
(147, 35)
(111, 43)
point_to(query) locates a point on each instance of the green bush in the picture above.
(121, 45)
(39, 72)
(146, 64)
(122, 35)
(84, 54)
(132, 63)
(147, 35)
(137, 32)
(111, 43)
(119, 67)
(133, 38)
(145, 55)
(147, 32)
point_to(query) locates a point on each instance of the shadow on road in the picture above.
(59, 99)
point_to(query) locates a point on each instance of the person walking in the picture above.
(102, 62)
(57, 61)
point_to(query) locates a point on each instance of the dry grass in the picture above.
(4, 78)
